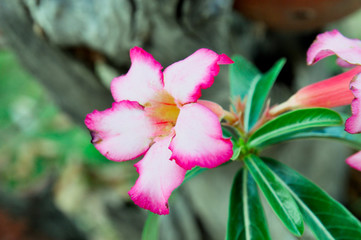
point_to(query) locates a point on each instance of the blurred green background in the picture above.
(43, 150)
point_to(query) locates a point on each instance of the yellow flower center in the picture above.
(163, 111)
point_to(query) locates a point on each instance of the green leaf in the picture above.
(233, 134)
(293, 122)
(151, 227)
(236, 152)
(193, 172)
(258, 93)
(335, 133)
(230, 132)
(241, 74)
(327, 218)
(246, 218)
(277, 195)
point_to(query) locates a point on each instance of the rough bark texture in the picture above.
(74, 48)
(63, 43)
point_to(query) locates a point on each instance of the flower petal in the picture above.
(353, 124)
(214, 107)
(333, 42)
(142, 81)
(198, 139)
(355, 161)
(122, 132)
(158, 177)
(329, 93)
(185, 79)
(343, 63)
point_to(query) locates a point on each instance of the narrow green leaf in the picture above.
(258, 93)
(276, 194)
(151, 227)
(229, 132)
(193, 172)
(327, 218)
(246, 219)
(236, 152)
(335, 133)
(293, 122)
(241, 75)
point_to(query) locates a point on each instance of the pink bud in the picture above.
(329, 93)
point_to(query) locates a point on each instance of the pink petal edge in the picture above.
(122, 132)
(333, 42)
(343, 63)
(185, 79)
(143, 80)
(354, 161)
(158, 177)
(198, 139)
(353, 123)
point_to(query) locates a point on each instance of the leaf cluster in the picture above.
(293, 198)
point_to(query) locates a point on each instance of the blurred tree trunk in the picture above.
(73, 86)
(74, 47)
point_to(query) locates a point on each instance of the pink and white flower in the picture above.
(158, 114)
(333, 42)
(348, 52)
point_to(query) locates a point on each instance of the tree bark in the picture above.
(71, 84)
(63, 43)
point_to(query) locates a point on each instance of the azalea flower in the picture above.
(158, 114)
(335, 91)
